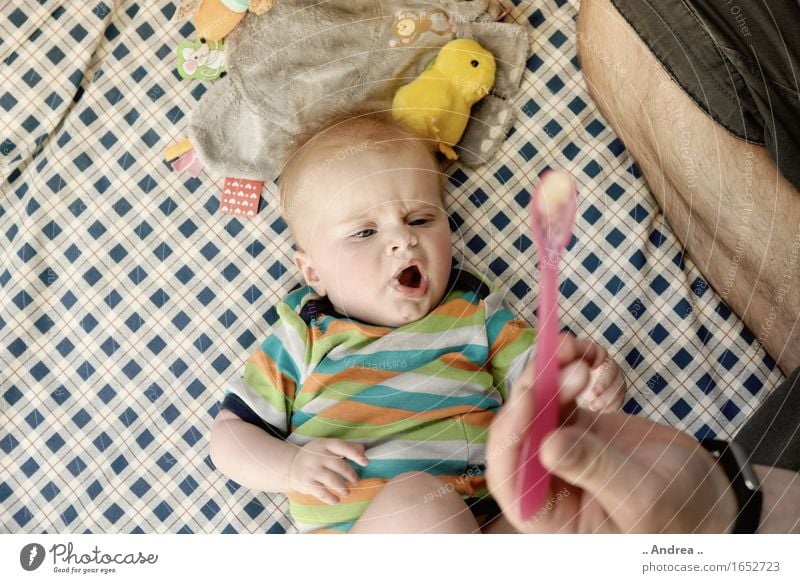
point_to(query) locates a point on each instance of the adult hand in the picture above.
(610, 472)
(319, 468)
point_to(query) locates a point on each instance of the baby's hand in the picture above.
(605, 392)
(319, 468)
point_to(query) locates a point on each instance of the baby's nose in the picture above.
(401, 242)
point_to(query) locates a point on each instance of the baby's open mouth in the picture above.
(410, 277)
(410, 281)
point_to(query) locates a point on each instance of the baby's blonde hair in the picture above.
(334, 141)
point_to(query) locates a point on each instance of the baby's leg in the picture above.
(416, 502)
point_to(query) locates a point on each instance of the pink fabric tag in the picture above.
(240, 197)
(184, 162)
(188, 163)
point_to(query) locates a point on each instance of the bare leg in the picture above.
(737, 217)
(416, 502)
(499, 525)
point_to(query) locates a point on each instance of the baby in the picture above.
(381, 376)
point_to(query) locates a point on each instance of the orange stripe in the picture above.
(363, 491)
(343, 326)
(508, 334)
(465, 484)
(353, 412)
(459, 361)
(479, 418)
(269, 368)
(366, 490)
(365, 375)
(458, 308)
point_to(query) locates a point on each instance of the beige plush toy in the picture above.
(215, 19)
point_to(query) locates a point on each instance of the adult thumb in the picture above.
(582, 459)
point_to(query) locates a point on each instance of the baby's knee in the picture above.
(416, 502)
(415, 487)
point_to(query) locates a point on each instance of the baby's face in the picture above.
(375, 237)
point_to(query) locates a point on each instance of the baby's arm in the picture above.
(253, 458)
(249, 455)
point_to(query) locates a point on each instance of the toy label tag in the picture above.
(185, 11)
(203, 60)
(240, 197)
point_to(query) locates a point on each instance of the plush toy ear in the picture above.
(190, 66)
(304, 265)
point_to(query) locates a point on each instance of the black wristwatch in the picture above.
(735, 462)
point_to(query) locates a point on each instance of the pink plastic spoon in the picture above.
(553, 206)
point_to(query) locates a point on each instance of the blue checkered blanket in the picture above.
(127, 299)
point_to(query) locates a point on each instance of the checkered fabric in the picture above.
(127, 299)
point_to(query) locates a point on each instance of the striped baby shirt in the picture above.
(419, 397)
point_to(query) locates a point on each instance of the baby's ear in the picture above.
(304, 265)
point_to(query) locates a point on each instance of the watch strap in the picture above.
(735, 463)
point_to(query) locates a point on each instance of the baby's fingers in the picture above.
(322, 493)
(613, 397)
(344, 469)
(601, 357)
(606, 388)
(346, 449)
(571, 349)
(333, 482)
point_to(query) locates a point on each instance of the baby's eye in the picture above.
(419, 221)
(364, 234)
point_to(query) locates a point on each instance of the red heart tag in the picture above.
(240, 197)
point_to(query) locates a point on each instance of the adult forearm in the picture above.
(781, 491)
(250, 456)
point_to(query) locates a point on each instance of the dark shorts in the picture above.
(772, 433)
(738, 60)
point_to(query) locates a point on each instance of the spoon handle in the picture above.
(533, 480)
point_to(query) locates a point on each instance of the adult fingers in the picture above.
(513, 420)
(512, 423)
(577, 456)
(349, 450)
(505, 440)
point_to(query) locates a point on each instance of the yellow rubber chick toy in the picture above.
(437, 104)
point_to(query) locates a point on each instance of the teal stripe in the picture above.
(236, 5)
(325, 322)
(495, 323)
(390, 468)
(392, 398)
(341, 526)
(298, 418)
(393, 360)
(471, 297)
(411, 359)
(275, 350)
(295, 299)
